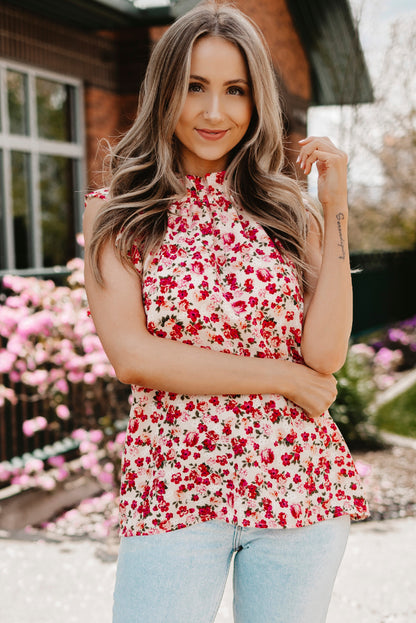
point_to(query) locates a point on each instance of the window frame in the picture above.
(36, 147)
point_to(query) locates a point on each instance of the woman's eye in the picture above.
(195, 87)
(236, 91)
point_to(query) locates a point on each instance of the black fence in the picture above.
(384, 288)
(103, 405)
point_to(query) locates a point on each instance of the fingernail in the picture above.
(297, 159)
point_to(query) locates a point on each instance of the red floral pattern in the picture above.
(218, 281)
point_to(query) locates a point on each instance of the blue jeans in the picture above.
(280, 575)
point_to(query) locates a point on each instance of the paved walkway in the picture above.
(44, 582)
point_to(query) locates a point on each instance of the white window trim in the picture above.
(36, 146)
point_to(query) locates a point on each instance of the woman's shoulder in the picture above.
(93, 203)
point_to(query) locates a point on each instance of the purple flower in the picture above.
(397, 335)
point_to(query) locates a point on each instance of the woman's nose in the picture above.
(213, 109)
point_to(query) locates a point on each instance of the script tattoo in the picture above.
(341, 256)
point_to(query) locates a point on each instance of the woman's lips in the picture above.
(211, 135)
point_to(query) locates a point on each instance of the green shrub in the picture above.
(356, 392)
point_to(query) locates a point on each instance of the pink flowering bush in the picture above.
(371, 367)
(52, 360)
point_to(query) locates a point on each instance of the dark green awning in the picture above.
(338, 69)
(105, 14)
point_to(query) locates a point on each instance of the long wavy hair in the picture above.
(145, 167)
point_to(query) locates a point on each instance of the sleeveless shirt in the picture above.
(218, 281)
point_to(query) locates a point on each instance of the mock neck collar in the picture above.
(215, 179)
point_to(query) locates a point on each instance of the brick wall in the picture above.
(290, 62)
(107, 116)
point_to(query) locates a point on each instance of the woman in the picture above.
(217, 297)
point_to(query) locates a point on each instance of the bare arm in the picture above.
(143, 359)
(328, 317)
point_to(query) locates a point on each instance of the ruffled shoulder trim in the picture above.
(101, 193)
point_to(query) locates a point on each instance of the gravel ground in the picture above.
(389, 479)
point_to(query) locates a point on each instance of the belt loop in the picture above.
(237, 538)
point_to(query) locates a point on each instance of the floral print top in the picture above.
(218, 281)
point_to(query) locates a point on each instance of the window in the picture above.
(41, 167)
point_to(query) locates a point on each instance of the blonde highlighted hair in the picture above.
(145, 166)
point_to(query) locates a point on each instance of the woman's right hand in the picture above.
(312, 391)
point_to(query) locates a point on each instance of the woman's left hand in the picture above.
(331, 164)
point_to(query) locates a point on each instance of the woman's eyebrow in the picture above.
(227, 83)
(199, 78)
(236, 80)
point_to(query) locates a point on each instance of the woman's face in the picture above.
(218, 106)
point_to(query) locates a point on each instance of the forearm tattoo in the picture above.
(341, 244)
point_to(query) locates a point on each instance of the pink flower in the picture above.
(296, 510)
(35, 378)
(105, 478)
(397, 335)
(91, 343)
(22, 480)
(86, 447)
(62, 386)
(61, 474)
(228, 238)
(263, 274)
(75, 377)
(6, 393)
(13, 282)
(96, 436)
(46, 482)
(120, 438)
(239, 306)
(267, 456)
(89, 378)
(363, 469)
(76, 263)
(30, 427)
(56, 461)
(4, 473)
(15, 345)
(387, 358)
(33, 465)
(36, 324)
(198, 268)
(63, 412)
(191, 439)
(88, 460)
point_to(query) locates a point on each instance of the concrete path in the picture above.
(69, 582)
